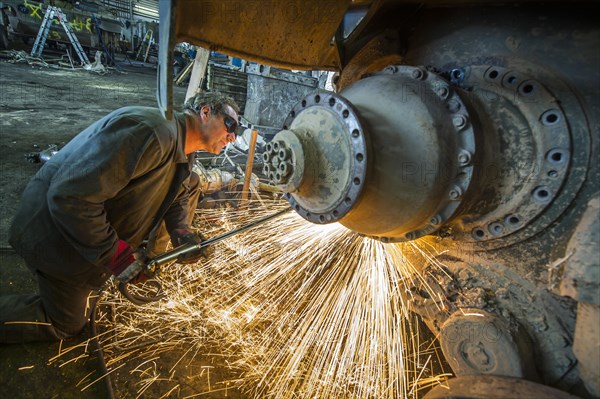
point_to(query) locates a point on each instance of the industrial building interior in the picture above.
(411, 208)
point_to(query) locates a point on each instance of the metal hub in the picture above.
(320, 158)
(526, 155)
(423, 151)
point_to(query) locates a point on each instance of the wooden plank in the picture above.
(198, 72)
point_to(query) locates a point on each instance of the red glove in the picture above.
(184, 236)
(128, 266)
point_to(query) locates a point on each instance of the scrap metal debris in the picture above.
(64, 62)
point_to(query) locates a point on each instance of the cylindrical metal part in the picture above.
(477, 342)
(213, 180)
(385, 158)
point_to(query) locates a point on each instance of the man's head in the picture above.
(215, 121)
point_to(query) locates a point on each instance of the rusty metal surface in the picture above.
(494, 387)
(478, 342)
(526, 145)
(580, 278)
(270, 98)
(291, 34)
(550, 158)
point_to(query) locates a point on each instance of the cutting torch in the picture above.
(152, 267)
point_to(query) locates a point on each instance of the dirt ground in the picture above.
(40, 107)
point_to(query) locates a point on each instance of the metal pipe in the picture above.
(175, 253)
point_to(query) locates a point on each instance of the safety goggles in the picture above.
(231, 124)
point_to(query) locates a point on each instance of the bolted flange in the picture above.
(320, 158)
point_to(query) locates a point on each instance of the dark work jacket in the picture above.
(117, 179)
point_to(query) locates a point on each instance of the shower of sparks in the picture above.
(296, 310)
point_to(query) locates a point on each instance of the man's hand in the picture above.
(128, 266)
(183, 236)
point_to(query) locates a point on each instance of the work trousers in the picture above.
(61, 308)
(59, 311)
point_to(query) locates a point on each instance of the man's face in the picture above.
(215, 128)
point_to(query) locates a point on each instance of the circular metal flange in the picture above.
(344, 135)
(477, 342)
(435, 91)
(532, 153)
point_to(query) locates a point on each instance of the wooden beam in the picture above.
(198, 72)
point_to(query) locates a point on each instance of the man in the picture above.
(99, 198)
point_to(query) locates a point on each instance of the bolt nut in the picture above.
(437, 219)
(442, 91)
(418, 74)
(454, 106)
(459, 121)
(391, 69)
(464, 157)
(455, 193)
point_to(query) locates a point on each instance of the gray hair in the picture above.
(215, 100)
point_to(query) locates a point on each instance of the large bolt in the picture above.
(418, 74)
(455, 193)
(464, 157)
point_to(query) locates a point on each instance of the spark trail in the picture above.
(299, 310)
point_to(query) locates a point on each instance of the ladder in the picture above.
(40, 40)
